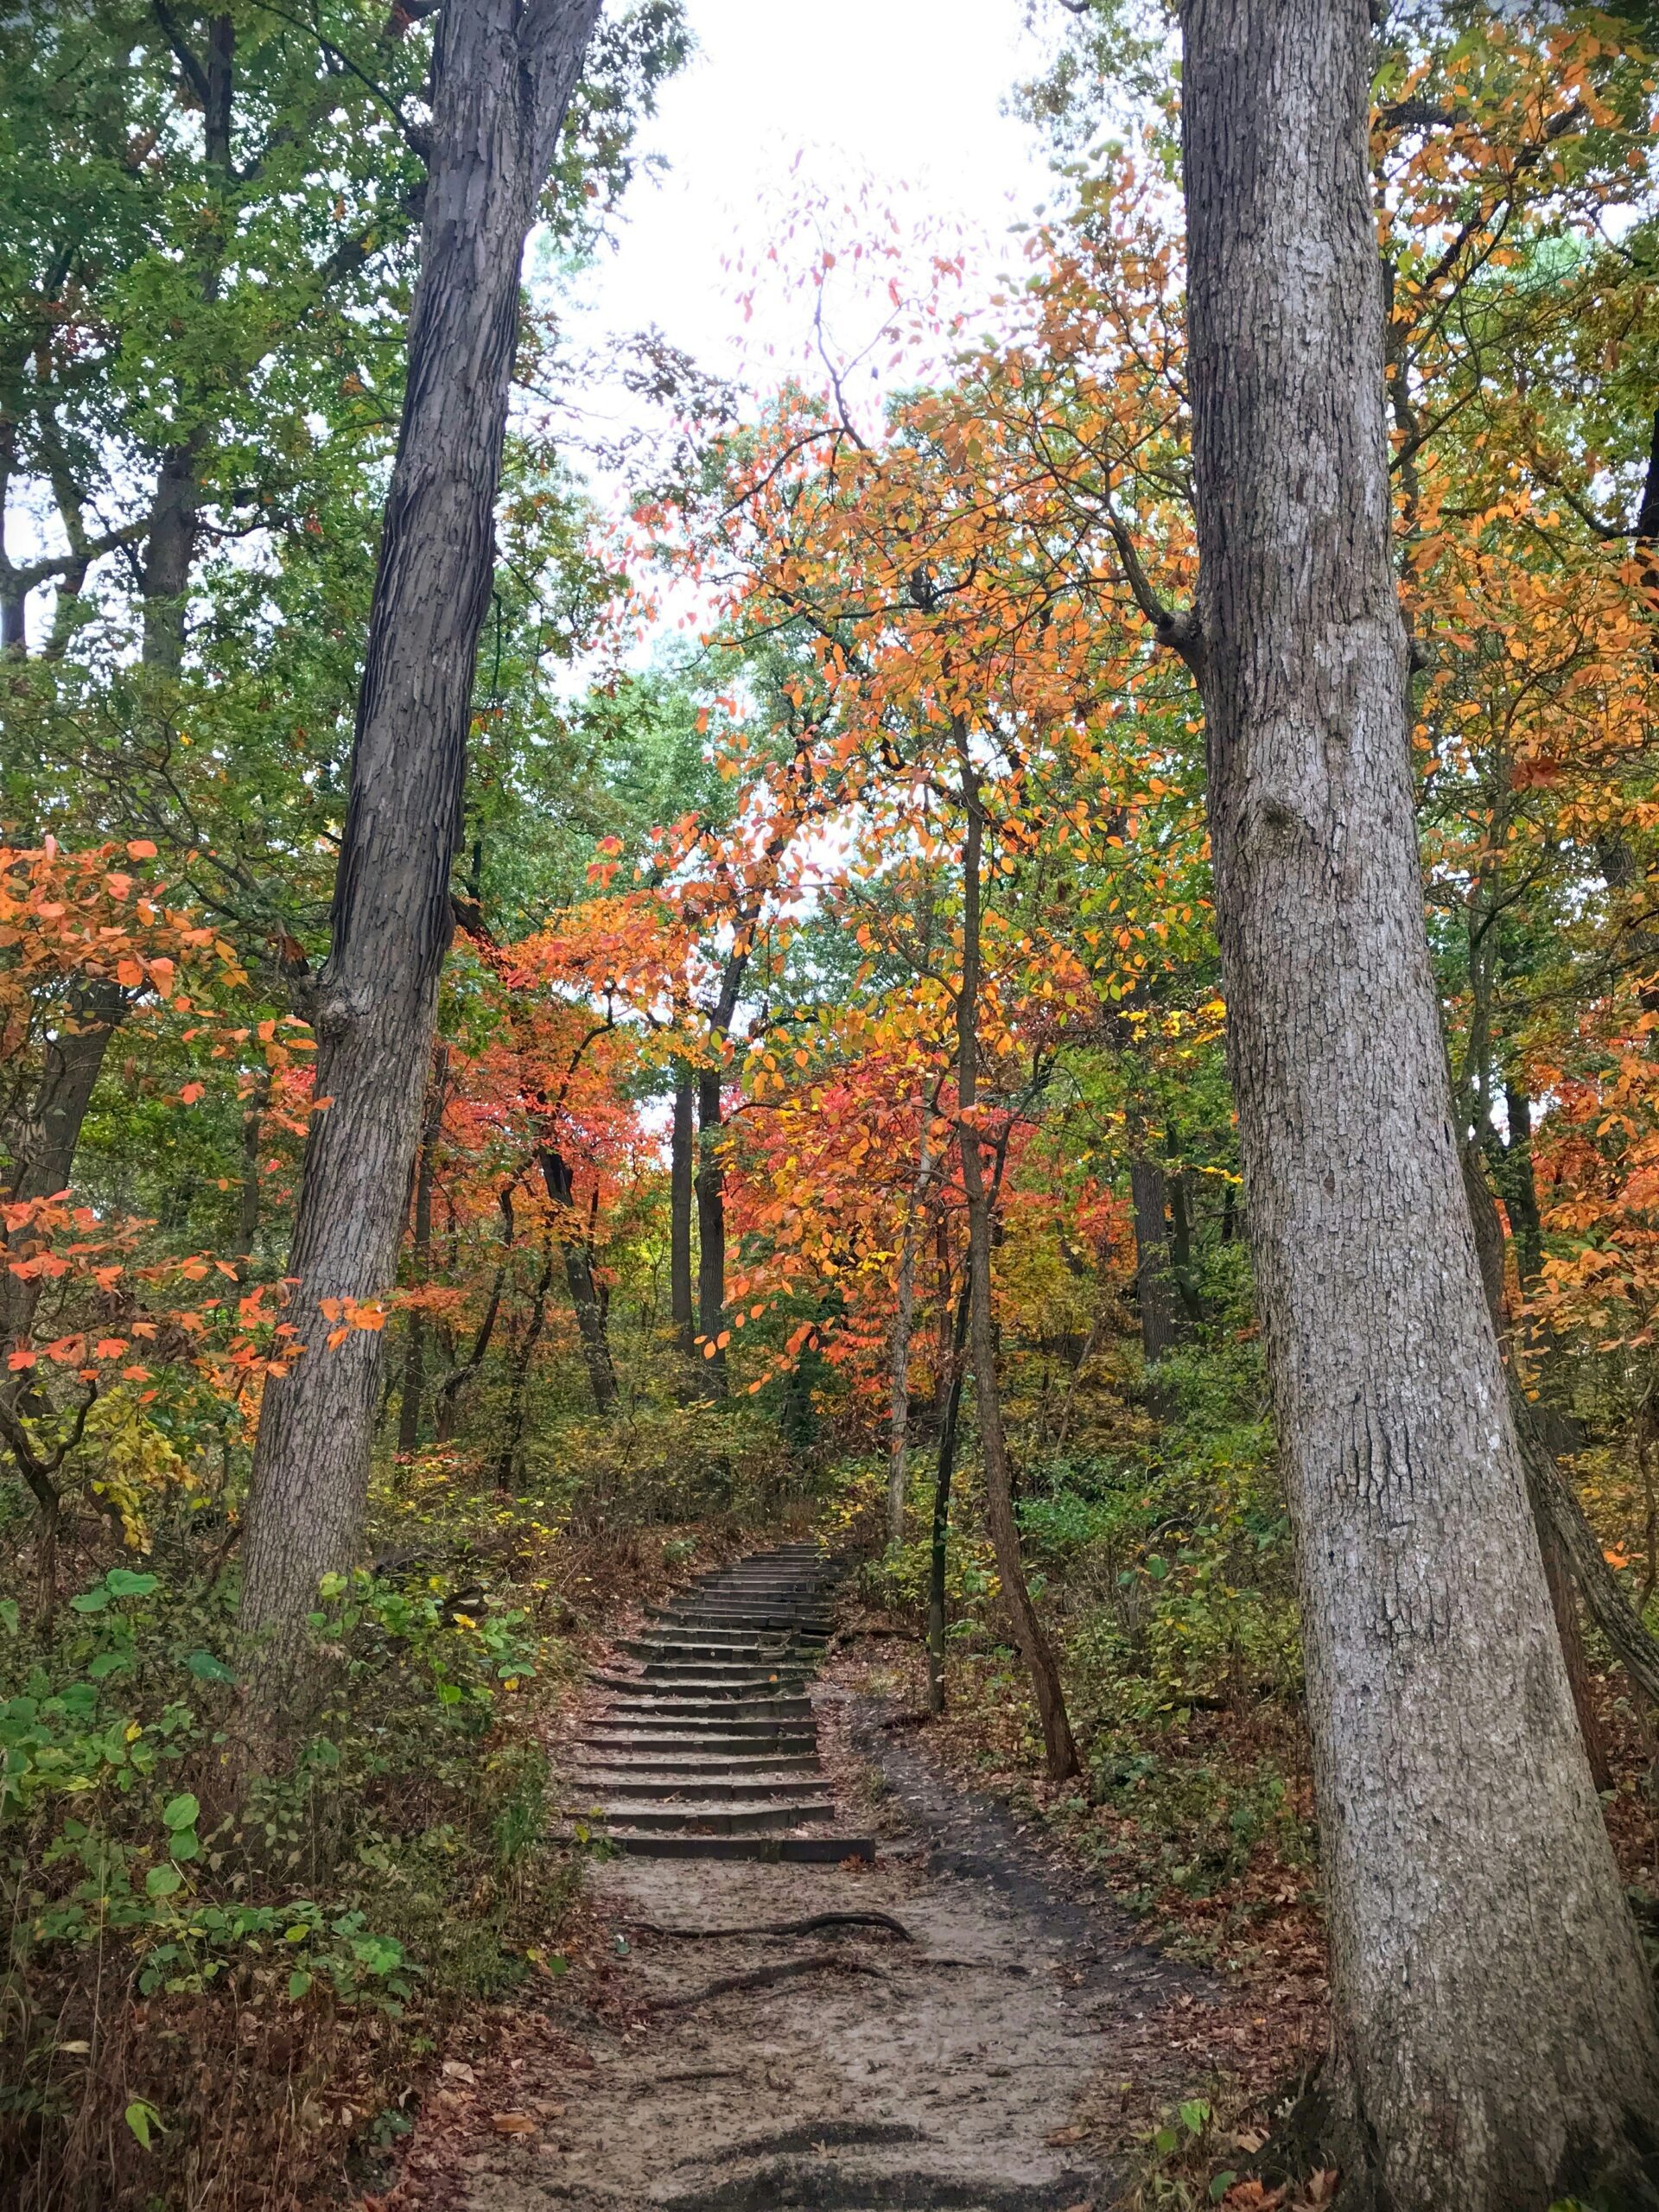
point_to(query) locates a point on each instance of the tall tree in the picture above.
(1495, 2039)
(503, 74)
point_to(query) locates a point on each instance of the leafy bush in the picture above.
(401, 1862)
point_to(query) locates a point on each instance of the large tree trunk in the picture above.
(1495, 2039)
(1060, 1751)
(503, 72)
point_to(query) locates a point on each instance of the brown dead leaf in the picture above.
(513, 2123)
(1251, 2196)
(1066, 2135)
(1322, 2185)
(455, 2069)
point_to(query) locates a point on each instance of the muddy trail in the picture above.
(854, 1988)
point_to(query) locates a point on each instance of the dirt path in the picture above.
(986, 2064)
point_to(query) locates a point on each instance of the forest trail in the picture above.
(981, 2054)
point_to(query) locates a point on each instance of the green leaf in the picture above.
(10, 1619)
(141, 2118)
(181, 1812)
(160, 1882)
(207, 1668)
(1195, 2116)
(298, 1934)
(298, 1982)
(1221, 2184)
(379, 1954)
(90, 1601)
(184, 1843)
(121, 1582)
(108, 1663)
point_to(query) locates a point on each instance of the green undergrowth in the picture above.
(1159, 1553)
(180, 1944)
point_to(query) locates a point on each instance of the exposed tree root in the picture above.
(809, 1927)
(763, 1977)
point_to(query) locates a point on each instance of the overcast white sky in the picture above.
(906, 93)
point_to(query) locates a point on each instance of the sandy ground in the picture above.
(987, 2063)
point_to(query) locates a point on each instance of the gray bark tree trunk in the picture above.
(503, 74)
(1495, 2039)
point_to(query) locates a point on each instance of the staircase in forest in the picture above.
(705, 1745)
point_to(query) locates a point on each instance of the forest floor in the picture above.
(1014, 2055)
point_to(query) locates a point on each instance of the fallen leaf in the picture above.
(456, 2071)
(1066, 2135)
(513, 2123)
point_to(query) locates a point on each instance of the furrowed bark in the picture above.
(503, 74)
(1495, 2039)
